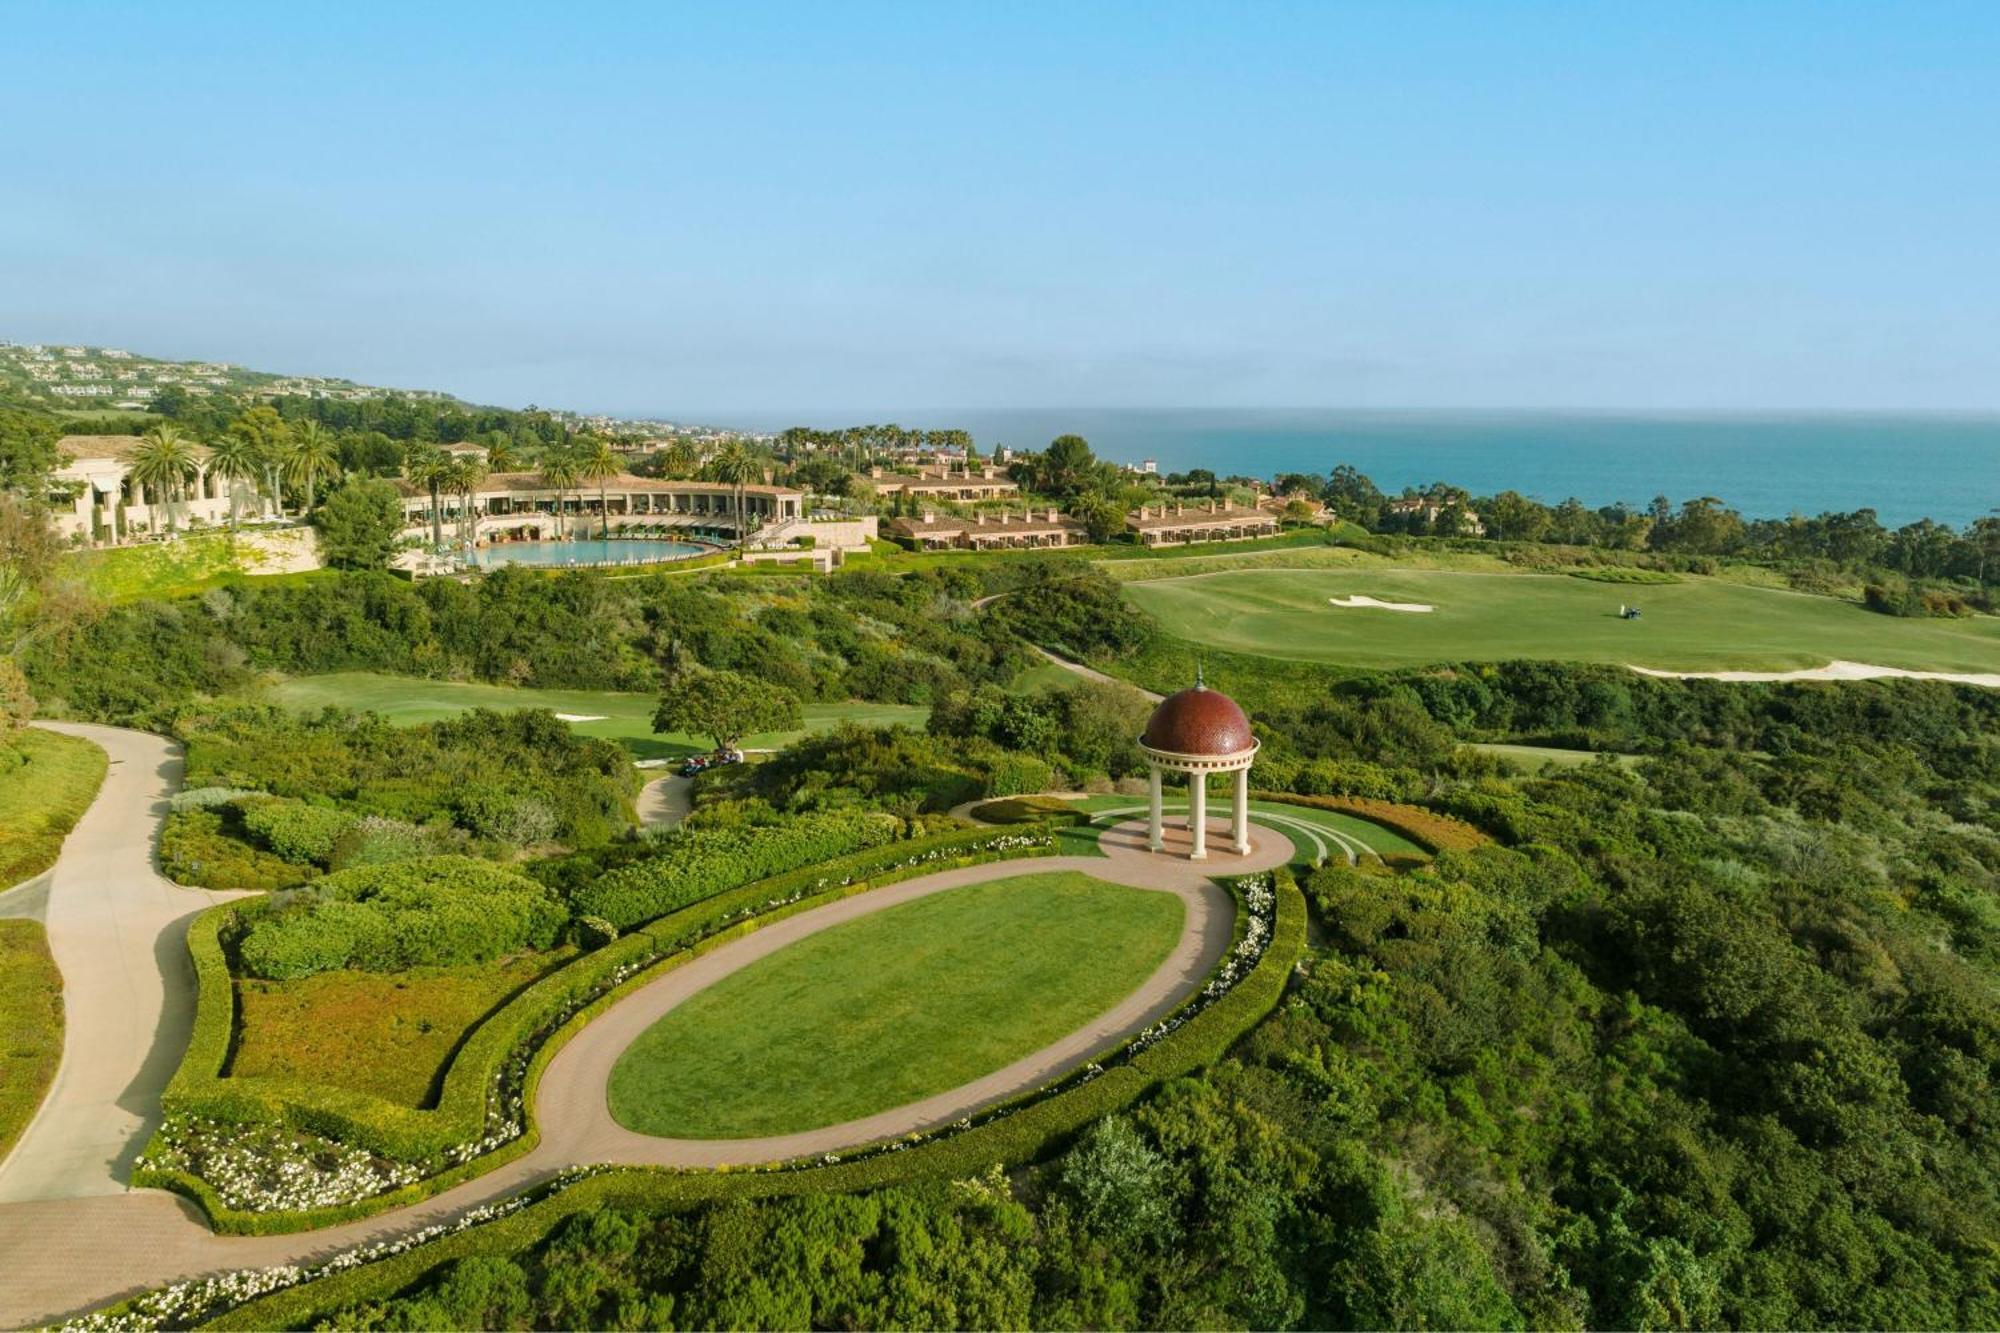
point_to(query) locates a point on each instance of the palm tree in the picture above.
(500, 453)
(236, 457)
(560, 470)
(734, 464)
(164, 463)
(312, 455)
(600, 465)
(428, 466)
(465, 475)
(678, 459)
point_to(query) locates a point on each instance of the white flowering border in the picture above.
(276, 1169)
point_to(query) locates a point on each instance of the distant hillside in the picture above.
(94, 379)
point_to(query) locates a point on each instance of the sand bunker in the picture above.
(1835, 671)
(580, 717)
(1359, 600)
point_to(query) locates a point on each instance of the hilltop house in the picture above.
(1037, 528)
(1211, 521)
(108, 506)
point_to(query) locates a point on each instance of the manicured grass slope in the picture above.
(31, 1024)
(1697, 625)
(894, 1007)
(386, 1033)
(1345, 827)
(47, 781)
(626, 718)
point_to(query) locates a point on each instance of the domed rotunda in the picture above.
(1198, 732)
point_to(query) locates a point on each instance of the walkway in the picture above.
(665, 802)
(118, 932)
(78, 1242)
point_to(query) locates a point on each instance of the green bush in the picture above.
(295, 831)
(196, 849)
(696, 863)
(1019, 1136)
(433, 912)
(376, 840)
(206, 798)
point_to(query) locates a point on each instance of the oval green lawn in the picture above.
(893, 1007)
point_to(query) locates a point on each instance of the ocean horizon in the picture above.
(1905, 466)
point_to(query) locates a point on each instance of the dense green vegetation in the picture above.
(47, 781)
(31, 1025)
(433, 912)
(894, 1007)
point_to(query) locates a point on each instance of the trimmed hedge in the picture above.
(701, 862)
(200, 1088)
(1014, 1138)
(1426, 828)
(439, 911)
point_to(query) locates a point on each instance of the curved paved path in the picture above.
(118, 931)
(67, 1249)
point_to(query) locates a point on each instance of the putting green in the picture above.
(618, 716)
(893, 1007)
(1696, 625)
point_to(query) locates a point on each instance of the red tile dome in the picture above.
(1199, 721)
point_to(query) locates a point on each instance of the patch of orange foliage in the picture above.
(1440, 833)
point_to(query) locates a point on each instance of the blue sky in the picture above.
(705, 209)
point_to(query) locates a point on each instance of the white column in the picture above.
(1240, 820)
(1198, 815)
(1155, 839)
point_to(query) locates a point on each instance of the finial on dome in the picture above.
(1197, 675)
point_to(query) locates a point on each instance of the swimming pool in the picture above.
(625, 551)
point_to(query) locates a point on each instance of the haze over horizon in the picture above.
(720, 214)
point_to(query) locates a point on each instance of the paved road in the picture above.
(117, 931)
(77, 1238)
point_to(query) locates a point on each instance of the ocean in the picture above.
(1767, 466)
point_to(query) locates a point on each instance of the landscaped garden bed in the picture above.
(479, 1117)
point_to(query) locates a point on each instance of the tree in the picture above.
(164, 463)
(311, 458)
(235, 458)
(428, 466)
(465, 475)
(734, 464)
(597, 463)
(269, 439)
(1067, 466)
(560, 471)
(724, 706)
(359, 524)
(27, 451)
(17, 701)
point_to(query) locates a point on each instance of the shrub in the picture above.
(697, 863)
(298, 832)
(196, 849)
(503, 816)
(375, 840)
(434, 912)
(206, 798)
(1018, 774)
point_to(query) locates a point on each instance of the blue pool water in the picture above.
(624, 551)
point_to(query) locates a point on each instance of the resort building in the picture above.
(990, 532)
(107, 505)
(1209, 521)
(522, 506)
(1428, 509)
(943, 483)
